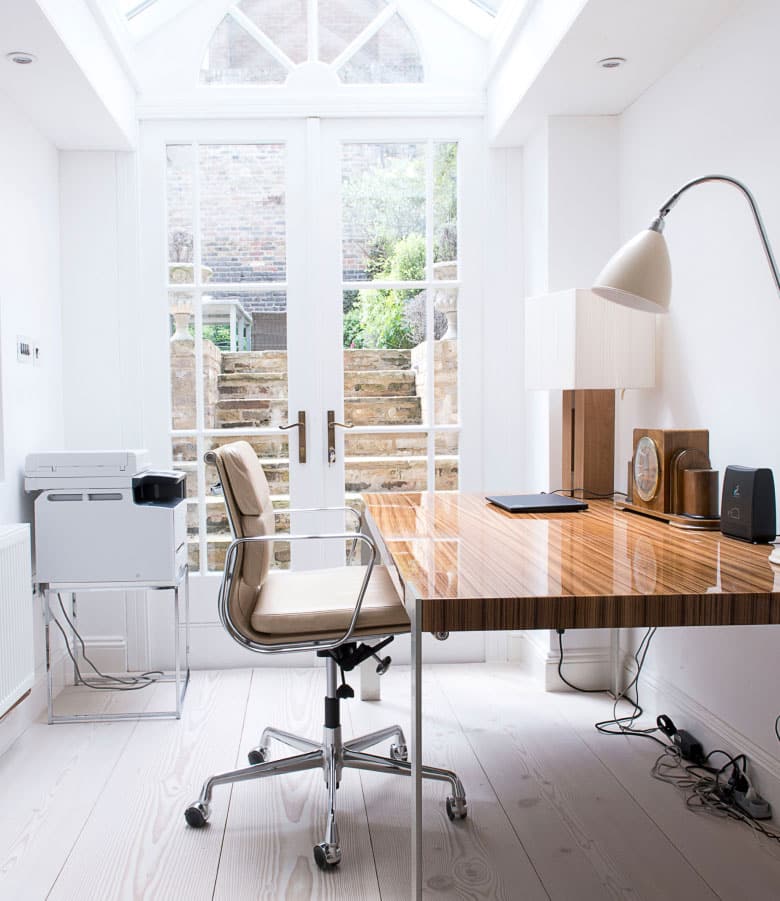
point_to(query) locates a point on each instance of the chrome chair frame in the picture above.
(332, 754)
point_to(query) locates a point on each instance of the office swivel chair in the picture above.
(274, 612)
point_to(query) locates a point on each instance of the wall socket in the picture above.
(24, 349)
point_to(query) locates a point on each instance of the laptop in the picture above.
(537, 503)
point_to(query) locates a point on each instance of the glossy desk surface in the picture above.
(475, 567)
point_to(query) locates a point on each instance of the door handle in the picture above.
(301, 426)
(332, 424)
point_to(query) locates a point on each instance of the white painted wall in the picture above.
(714, 112)
(29, 305)
(102, 331)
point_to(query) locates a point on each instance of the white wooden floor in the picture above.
(555, 809)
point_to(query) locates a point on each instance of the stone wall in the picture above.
(183, 377)
(445, 392)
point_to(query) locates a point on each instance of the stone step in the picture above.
(380, 383)
(216, 515)
(383, 410)
(254, 361)
(253, 384)
(217, 548)
(360, 474)
(276, 471)
(264, 412)
(357, 383)
(272, 447)
(367, 360)
(276, 360)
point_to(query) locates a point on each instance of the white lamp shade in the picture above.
(639, 275)
(577, 339)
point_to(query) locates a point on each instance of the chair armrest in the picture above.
(324, 645)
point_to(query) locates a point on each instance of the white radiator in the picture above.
(17, 655)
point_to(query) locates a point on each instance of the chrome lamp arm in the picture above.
(658, 224)
(283, 647)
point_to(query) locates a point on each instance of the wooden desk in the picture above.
(463, 565)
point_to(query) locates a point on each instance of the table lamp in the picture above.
(582, 344)
(639, 275)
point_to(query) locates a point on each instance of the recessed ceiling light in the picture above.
(21, 57)
(612, 62)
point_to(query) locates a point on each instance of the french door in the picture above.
(319, 271)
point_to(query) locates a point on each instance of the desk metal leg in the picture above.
(415, 615)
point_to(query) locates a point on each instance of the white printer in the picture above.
(104, 516)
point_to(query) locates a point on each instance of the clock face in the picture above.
(647, 469)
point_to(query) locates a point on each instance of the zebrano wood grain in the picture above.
(476, 567)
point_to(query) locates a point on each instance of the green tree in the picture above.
(381, 317)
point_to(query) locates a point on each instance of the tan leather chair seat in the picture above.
(298, 605)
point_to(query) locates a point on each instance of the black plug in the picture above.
(689, 748)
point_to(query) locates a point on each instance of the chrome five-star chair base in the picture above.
(332, 755)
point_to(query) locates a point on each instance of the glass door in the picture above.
(396, 190)
(313, 267)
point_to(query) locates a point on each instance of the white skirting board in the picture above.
(586, 667)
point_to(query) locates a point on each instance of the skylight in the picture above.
(132, 8)
(490, 6)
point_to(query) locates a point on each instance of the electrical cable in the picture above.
(117, 683)
(704, 792)
(777, 728)
(594, 495)
(624, 724)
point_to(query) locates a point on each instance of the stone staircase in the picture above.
(380, 388)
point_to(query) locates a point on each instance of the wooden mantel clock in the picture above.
(658, 485)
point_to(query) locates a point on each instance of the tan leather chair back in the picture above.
(250, 511)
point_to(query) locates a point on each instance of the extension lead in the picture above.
(738, 792)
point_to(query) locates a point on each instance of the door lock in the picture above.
(332, 424)
(301, 426)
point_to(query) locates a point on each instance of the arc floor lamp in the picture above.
(639, 275)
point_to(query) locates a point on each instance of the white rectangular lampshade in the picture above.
(576, 339)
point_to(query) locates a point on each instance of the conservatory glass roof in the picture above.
(132, 8)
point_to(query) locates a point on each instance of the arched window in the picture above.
(261, 42)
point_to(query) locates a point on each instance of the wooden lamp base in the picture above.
(588, 442)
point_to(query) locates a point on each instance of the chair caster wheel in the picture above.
(327, 856)
(456, 808)
(257, 755)
(399, 752)
(197, 814)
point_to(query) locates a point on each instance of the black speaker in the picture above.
(747, 508)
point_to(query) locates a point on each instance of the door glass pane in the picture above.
(384, 332)
(446, 461)
(242, 212)
(341, 21)
(180, 171)
(235, 57)
(445, 211)
(383, 210)
(182, 359)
